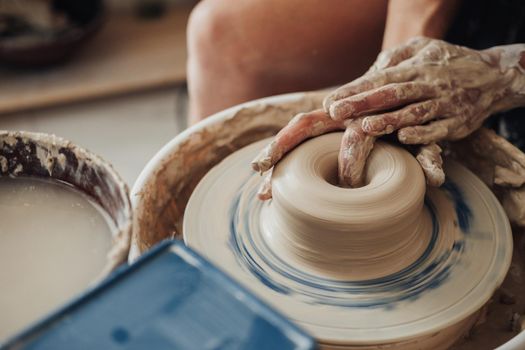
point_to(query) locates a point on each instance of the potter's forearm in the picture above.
(511, 62)
(407, 19)
(427, 90)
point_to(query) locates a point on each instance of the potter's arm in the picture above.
(499, 164)
(429, 18)
(425, 90)
(452, 88)
(511, 61)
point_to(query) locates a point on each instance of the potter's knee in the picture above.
(208, 31)
(221, 41)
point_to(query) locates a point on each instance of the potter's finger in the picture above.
(355, 148)
(415, 114)
(467, 126)
(369, 82)
(380, 99)
(429, 157)
(507, 160)
(300, 128)
(265, 190)
(425, 134)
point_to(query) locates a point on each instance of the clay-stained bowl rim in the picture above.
(150, 201)
(172, 145)
(47, 156)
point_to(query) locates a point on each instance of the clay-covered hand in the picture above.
(452, 88)
(430, 90)
(303, 126)
(427, 89)
(355, 147)
(499, 164)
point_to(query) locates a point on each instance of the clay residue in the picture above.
(499, 164)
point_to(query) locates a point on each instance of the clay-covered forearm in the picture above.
(511, 62)
(499, 164)
(430, 90)
(407, 19)
(427, 91)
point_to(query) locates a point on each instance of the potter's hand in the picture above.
(449, 88)
(427, 89)
(430, 91)
(355, 147)
(500, 165)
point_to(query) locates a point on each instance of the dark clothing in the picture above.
(481, 24)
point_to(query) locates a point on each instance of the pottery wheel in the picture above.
(392, 262)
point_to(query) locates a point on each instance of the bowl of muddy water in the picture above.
(66, 223)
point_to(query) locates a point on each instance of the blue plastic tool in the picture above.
(171, 298)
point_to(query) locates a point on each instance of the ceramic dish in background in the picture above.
(22, 44)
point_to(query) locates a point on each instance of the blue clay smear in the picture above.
(407, 284)
(463, 212)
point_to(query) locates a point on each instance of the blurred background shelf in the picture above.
(122, 95)
(129, 54)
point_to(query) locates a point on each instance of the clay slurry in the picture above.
(53, 243)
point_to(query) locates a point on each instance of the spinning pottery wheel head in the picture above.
(389, 263)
